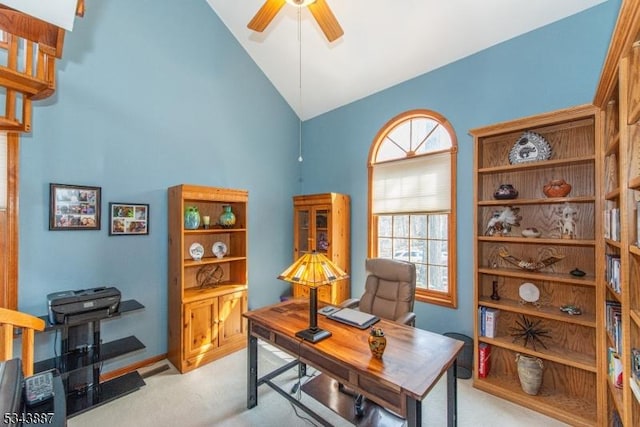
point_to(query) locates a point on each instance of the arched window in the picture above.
(412, 205)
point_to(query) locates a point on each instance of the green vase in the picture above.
(191, 218)
(227, 218)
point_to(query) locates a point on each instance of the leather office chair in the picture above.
(389, 290)
(389, 293)
(10, 319)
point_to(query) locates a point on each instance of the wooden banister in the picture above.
(32, 47)
(11, 319)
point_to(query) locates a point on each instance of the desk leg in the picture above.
(252, 372)
(414, 412)
(452, 395)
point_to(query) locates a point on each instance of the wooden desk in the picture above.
(413, 362)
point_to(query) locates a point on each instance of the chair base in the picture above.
(324, 389)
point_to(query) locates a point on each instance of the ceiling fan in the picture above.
(318, 8)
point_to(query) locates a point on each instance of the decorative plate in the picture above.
(196, 250)
(219, 249)
(529, 292)
(531, 147)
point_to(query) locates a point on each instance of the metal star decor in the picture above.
(529, 331)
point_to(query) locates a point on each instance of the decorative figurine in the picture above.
(567, 222)
(502, 221)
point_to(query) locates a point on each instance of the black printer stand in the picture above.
(82, 353)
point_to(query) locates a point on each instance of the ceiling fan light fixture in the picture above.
(300, 3)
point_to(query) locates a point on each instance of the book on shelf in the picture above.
(614, 367)
(635, 388)
(612, 271)
(635, 364)
(612, 224)
(488, 321)
(638, 224)
(613, 319)
(484, 362)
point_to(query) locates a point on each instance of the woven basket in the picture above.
(530, 373)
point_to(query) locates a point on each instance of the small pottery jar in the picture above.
(505, 191)
(227, 218)
(529, 373)
(377, 342)
(556, 188)
(191, 218)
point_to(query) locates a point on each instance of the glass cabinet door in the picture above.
(302, 221)
(321, 217)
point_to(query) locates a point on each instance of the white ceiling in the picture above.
(385, 42)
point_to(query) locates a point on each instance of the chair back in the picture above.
(389, 291)
(10, 319)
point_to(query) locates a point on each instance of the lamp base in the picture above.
(313, 334)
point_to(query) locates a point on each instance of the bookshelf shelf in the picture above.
(570, 356)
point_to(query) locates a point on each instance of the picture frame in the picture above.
(128, 219)
(74, 207)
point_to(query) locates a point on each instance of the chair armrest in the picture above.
(407, 319)
(350, 303)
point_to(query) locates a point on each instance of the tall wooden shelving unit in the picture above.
(618, 97)
(207, 297)
(570, 385)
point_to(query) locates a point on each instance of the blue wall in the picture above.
(554, 67)
(151, 94)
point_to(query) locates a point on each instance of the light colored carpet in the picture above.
(215, 395)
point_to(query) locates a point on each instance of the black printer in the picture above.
(79, 305)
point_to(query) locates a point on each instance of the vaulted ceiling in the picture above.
(385, 42)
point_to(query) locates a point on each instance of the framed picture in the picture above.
(127, 219)
(74, 207)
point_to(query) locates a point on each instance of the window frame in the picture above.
(449, 299)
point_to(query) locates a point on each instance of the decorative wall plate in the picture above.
(196, 250)
(530, 147)
(219, 249)
(529, 292)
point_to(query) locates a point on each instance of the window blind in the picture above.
(420, 184)
(4, 158)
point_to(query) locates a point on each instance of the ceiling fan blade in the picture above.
(326, 19)
(267, 12)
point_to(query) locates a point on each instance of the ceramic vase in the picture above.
(556, 188)
(191, 218)
(529, 373)
(227, 218)
(377, 342)
(505, 191)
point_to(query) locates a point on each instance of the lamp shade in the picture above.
(313, 269)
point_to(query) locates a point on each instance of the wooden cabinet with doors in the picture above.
(207, 296)
(321, 223)
(530, 277)
(618, 97)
